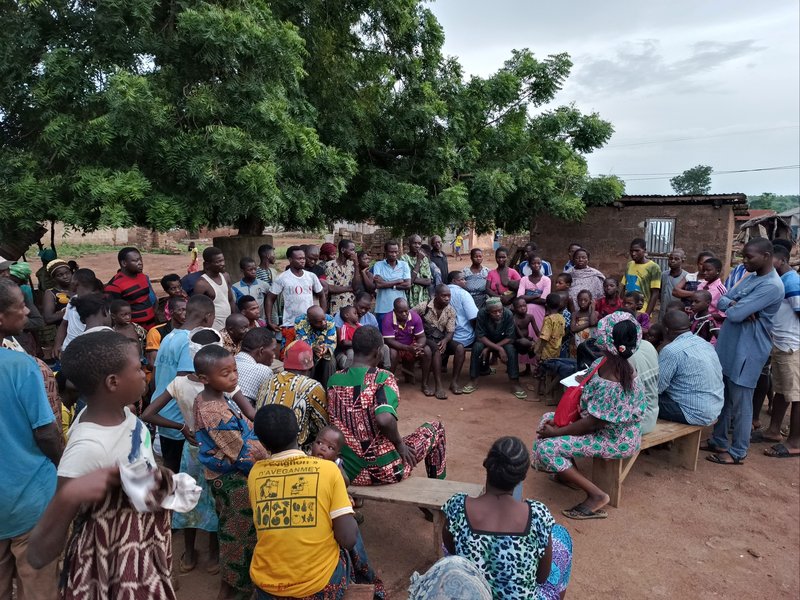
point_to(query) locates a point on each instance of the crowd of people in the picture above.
(265, 396)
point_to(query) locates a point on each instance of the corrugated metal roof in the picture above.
(737, 201)
(756, 212)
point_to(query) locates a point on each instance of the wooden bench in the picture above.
(608, 474)
(421, 492)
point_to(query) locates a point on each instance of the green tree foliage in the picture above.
(290, 112)
(694, 181)
(774, 202)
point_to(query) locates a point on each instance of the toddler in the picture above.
(527, 332)
(350, 323)
(171, 284)
(563, 283)
(703, 323)
(610, 302)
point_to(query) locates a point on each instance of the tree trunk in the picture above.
(250, 226)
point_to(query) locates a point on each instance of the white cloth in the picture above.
(96, 329)
(222, 305)
(298, 294)
(75, 326)
(91, 446)
(645, 362)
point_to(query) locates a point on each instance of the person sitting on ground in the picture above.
(439, 323)
(362, 403)
(502, 282)
(254, 360)
(177, 310)
(633, 302)
(228, 450)
(690, 386)
(466, 313)
(114, 549)
(131, 285)
(216, 284)
(527, 333)
(703, 323)
(344, 348)
(56, 298)
(644, 276)
(171, 284)
(322, 520)
(294, 389)
(251, 286)
(785, 363)
(611, 301)
(318, 330)
(612, 405)
(517, 545)
(743, 348)
(236, 326)
(249, 308)
(712, 268)
(404, 333)
(494, 332)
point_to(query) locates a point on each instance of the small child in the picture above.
(350, 323)
(114, 550)
(327, 445)
(610, 302)
(228, 449)
(122, 324)
(655, 335)
(93, 312)
(527, 333)
(194, 265)
(703, 323)
(250, 309)
(171, 284)
(684, 289)
(711, 271)
(633, 303)
(585, 318)
(563, 283)
(552, 335)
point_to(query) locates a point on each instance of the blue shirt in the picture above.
(386, 297)
(743, 346)
(690, 374)
(367, 319)
(29, 478)
(173, 356)
(735, 275)
(525, 271)
(466, 310)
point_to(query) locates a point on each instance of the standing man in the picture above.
(343, 276)
(216, 284)
(743, 346)
(420, 267)
(785, 361)
(32, 449)
(298, 288)
(131, 285)
(466, 313)
(265, 271)
(643, 275)
(438, 256)
(392, 278)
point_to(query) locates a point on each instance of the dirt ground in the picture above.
(719, 532)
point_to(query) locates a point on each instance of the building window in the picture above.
(660, 238)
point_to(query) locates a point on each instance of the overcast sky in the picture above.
(724, 73)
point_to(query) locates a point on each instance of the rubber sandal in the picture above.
(714, 458)
(580, 513)
(779, 451)
(468, 389)
(522, 395)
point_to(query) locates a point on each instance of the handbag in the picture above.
(568, 409)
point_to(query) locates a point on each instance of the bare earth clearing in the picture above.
(721, 532)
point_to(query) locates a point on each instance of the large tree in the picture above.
(694, 181)
(290, 112)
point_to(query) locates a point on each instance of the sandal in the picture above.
(714, 458)
(468, 389)
(521, 394)
(581, 513)
(779, 451)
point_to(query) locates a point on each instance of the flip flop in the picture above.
(714, 458)
(779, 451)
(758, 437)
(580, 513)
(709, 447)
(468, 389)
(521, 394)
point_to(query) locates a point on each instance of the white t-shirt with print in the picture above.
(298, 293)
(91, 446)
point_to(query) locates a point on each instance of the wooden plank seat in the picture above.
(609, 474)
(421, 492)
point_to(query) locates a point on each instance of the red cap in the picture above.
(298, 356)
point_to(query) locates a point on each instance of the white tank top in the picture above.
(222, 307)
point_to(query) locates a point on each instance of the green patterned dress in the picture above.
(619, 436)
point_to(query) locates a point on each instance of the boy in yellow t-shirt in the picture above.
(643, 275)
(551, 337)
(303, 517)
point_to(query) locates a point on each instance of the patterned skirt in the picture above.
(117, 553)
(204, 515)
(560, 569)
(236, 531)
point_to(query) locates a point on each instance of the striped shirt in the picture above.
(786, 334)
(690, 373)
(137, 292)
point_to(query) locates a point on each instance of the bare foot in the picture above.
(455, 388)
(427, 391)
(441, 394)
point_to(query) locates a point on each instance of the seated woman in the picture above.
(612, 405)
(515, 543)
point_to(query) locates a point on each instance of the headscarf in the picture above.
(55, 264)
(328, 248)
(47, 255)
(605, 329)
(194, 347)
(450, 577)
(20, 270)
(493, 301)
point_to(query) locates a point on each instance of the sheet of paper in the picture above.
(571, 381)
